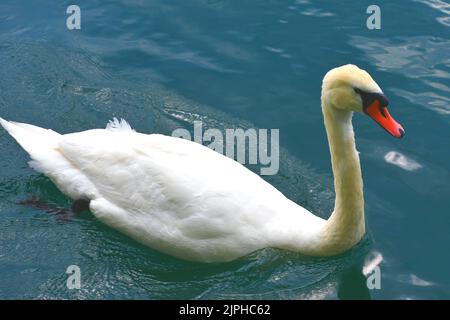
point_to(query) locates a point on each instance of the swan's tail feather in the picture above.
(40, 143)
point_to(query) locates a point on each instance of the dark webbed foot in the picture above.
(36, 202)
(80, 205)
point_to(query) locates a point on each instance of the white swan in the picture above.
(186, 200)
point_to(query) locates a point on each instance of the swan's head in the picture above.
(353, 89)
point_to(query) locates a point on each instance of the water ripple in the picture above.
(415, 57)
(442, 7)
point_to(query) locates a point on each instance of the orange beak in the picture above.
(381, 116)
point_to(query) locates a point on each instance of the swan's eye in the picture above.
(368, 98)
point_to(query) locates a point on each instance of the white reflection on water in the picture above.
(430, 100)
(441, 6)
(420, 57)
(317, 13)
(400, 160)
(415, 280)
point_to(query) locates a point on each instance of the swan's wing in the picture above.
(139, 170)
(171, 188)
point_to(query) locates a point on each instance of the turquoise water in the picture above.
(163, 64)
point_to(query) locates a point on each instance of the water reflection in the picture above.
(441, 6)
(428, 99)
(415, 57)
(400, 160)
(415, 280)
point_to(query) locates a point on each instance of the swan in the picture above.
(186, 200)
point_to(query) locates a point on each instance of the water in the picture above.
(162, 65)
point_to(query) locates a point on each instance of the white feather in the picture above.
(118, 125)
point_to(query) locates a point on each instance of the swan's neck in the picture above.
(346, 225)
